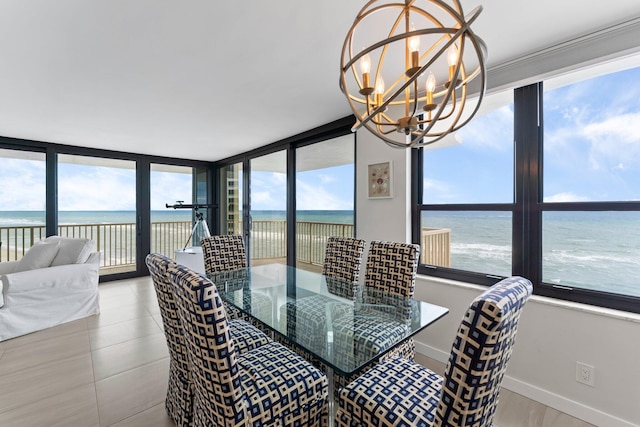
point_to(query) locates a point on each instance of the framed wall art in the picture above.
(380, 183)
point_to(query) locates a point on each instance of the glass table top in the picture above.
(317, 314)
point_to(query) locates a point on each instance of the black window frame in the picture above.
(322, 133)
(202, 170)
(527, 210)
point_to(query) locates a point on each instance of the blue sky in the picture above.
(323, 189)
(592, 152)
(591, 140)
(84, 187)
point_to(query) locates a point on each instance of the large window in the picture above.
(324, 197)
(287, 198)
(553, 194)
(466, 218)
(97, 200)
(23, 195)
(268, 214)
(171, 227)
(591, 171)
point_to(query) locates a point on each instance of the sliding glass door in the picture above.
(97, 200)
(324, 197)
(268, 215)
(23, 196)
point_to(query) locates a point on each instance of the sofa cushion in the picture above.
(40, 255)
(72, 251)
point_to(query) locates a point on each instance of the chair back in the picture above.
(342, 263)
(209, 344)
(392, 268)
(222, 253)
(480, 353)
(179, 405)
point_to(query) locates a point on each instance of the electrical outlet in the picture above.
(585, 374)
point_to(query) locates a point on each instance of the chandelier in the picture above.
(428, 60)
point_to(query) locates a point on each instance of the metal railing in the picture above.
(117, 241)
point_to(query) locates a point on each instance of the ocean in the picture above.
(594, 250)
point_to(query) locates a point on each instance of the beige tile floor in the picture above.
(111, 370)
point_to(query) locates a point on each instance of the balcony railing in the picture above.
(117, 242)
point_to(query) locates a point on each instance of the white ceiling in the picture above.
(206, 79)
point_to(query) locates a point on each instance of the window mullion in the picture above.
(526, 215)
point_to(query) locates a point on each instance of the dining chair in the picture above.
(225, 253)
(400, 392)
(341, 270)
(270, 385)
(179, 400)
(390, 274)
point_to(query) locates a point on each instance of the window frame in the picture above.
(527, 210)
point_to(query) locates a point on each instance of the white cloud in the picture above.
(97, 188)
(23, 184)
(312, 197)
(268, 191)
(565, 197)
(614, 141)
(326, 179)
(438, 191)
(168, 187)
(493, 131)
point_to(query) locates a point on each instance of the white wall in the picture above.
(553, 335)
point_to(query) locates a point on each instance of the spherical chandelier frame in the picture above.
(370, 105)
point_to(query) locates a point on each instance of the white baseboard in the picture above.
(555, 401)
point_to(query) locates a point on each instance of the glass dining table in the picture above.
(313, 313)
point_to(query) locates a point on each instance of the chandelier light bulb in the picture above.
(379, 85)
(365, 64)
(365, 68)
(414, 42)
(379, 92)
(431, 83)
(452, 56)
(430, 86)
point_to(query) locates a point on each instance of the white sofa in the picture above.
(55, 282)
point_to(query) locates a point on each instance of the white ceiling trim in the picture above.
(600, 46)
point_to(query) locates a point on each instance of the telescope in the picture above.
(200, 229)
(180, 205)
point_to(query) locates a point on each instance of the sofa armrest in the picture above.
(94, 258)
(61, 276)
(8, 267)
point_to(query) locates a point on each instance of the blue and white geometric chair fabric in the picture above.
(179, 401)
(390, 273)
(392, 267)
(341, 266)
(223, 253)
(307, 318)
(270, 385)
(400, 392)
(226, 253)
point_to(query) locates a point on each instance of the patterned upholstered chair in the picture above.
(223, 253)
(399, 392)
(227, 253)
(270, 385)
(390, 274)
(179, 401)
(341, 269)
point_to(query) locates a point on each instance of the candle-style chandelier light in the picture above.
(428, 58)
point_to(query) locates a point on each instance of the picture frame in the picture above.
(380, 180)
